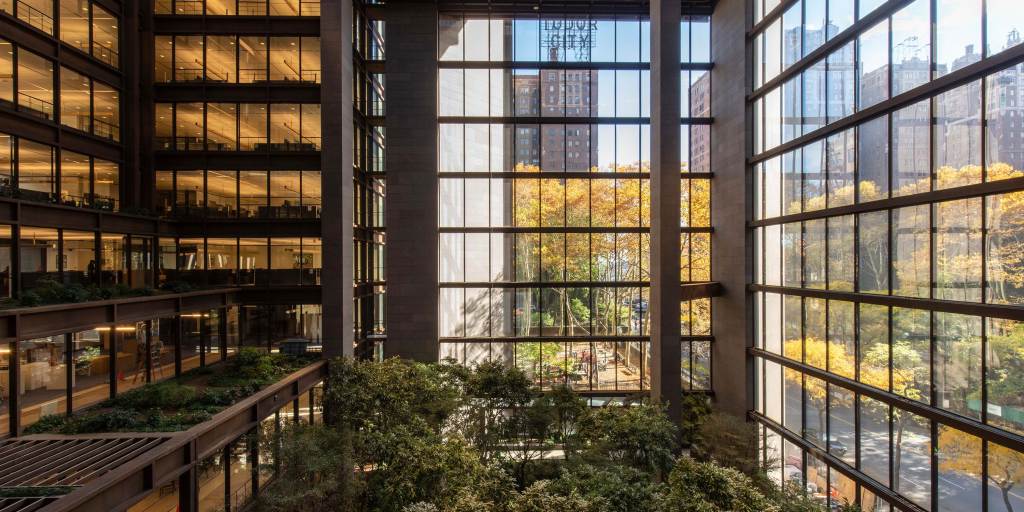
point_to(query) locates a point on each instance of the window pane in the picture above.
(79, 256)
(958, 363)
(104, 36)
(221, 123)
(75, 103)
(188, 58)
(6, 71)
(310, 59)
(284, 58)
(958, 250)
(252, 59)
(960, 468)
(873, 251)
(106, 111)
(74, 178)
(911, 149)
(958, 136)
(221, 196)
(873, 66)
(74, 23)
(252, 127)
(220, 58)
(957, 34)
(911, 53)
(35, 170)
(189, 123)
(105, 179)
(35, 83)
(253, 193)
(911, 251)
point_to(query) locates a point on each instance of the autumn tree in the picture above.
(962, 452)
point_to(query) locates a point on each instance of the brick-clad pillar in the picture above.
(411, 156)
(731, 207)
(665, 186)
(336, 157)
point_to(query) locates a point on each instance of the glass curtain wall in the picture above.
(544, 152)
(888, 321)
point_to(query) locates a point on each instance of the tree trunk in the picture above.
(1005, 491)
(347, 468)
(896, 455)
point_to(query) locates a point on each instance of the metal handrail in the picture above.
(36, 104)
(104, 129)
(35, 17)
(191, 6)
(107, 55)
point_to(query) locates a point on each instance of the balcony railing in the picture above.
(35, 17)
(259, 144)
(33, 105)
(106, 130)
(188, 7)
(189, 75)
(105, 54)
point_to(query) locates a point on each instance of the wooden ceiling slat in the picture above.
(70, 462)
(124, 452)
(53, 470)
(44, 457)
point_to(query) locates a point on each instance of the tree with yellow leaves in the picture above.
(962, 452)
(602, 201)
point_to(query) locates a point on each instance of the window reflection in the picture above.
(237, 59)
(35, 84)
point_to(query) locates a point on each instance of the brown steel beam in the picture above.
(123, 486)
(924, 198)
(242, 25)
(964, 75)
(897, 499)
(36, 322)
(231, 160)
(270, 92)
(987, 432)
(29, 126)
(51, 47)
(1008, 311)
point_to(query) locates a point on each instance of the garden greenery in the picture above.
(400, 436)
(179, 403)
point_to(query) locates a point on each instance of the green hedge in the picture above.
(175, 405)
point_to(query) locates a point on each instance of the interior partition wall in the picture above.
(886, 176)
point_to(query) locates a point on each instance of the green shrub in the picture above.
(48, 423)
(35, 492)
(702, 486)
(162, 395)
(539, 497)
(177, 287)
(114, 420)
(640, 436)
(50, 291)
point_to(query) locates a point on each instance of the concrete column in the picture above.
(336, 278)
(731, 207)
(411, 155)
(665, 185)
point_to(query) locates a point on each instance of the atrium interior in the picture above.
(804, 212)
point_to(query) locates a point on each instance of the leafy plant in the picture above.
(50, 291)
(175, 405)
